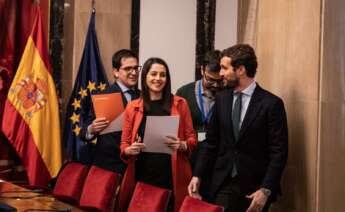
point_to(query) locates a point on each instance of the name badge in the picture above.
(201, 136)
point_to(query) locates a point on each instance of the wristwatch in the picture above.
(266, 191)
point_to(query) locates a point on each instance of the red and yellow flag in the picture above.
(31, 116)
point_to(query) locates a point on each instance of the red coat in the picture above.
(181, 169)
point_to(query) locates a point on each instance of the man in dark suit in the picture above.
(107, 149)
(247, 136)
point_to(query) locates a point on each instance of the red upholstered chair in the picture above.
(99, 190)
(70, 182)
(194, 205)
(148, 198)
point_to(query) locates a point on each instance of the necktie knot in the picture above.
(238, 94)
(132, 93)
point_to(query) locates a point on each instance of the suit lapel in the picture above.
(252, 111)
(194, 96)
(227, 103)
(116, 88)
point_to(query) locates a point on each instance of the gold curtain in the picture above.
(247, 21)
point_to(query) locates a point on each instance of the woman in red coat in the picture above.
(159, 169)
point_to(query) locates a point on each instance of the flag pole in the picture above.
(93, 6)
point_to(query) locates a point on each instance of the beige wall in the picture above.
(113, 26)
(290, 36)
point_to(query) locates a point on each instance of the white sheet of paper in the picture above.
(156, 130)
(114, 126)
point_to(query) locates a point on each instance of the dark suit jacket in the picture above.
(260, 153)
(107, 149)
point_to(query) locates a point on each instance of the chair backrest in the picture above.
(148, 198)
(70, 182)
(194, 205)
(99, 190)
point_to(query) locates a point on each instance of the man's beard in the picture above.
(232, 83)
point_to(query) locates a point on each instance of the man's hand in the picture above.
(97, 125)
(259, 200)
(193, 188)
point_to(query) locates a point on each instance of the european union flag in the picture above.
(91, 78)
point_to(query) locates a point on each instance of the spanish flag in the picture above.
(31, 115)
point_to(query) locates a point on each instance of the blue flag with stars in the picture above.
(91, 78)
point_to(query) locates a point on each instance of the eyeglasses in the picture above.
(212, 81)
(129, 69)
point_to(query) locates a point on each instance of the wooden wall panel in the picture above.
(332, 129)
(288, 48)
(332, 156)
(68, 54)
(113, 23)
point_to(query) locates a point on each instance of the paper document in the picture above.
(114, 126)
(109, 106)
(156, 130)
(201, 136)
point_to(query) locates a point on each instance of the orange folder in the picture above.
(109, 105)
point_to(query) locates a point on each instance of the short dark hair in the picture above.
(242, 54)
(167, 96)
(211, 61)
(119, 55)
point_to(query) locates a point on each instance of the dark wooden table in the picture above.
(24, 199)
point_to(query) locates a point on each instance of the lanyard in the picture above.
(205, 117)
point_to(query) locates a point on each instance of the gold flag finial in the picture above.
(93, 6)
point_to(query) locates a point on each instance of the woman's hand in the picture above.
(135, 148)
(175, 143)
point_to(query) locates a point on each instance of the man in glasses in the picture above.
(200, 96)
(107, 151)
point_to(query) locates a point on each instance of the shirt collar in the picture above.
(205, 93)
(123, 88)
(250, 89)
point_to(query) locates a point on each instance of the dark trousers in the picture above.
(232, 198)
